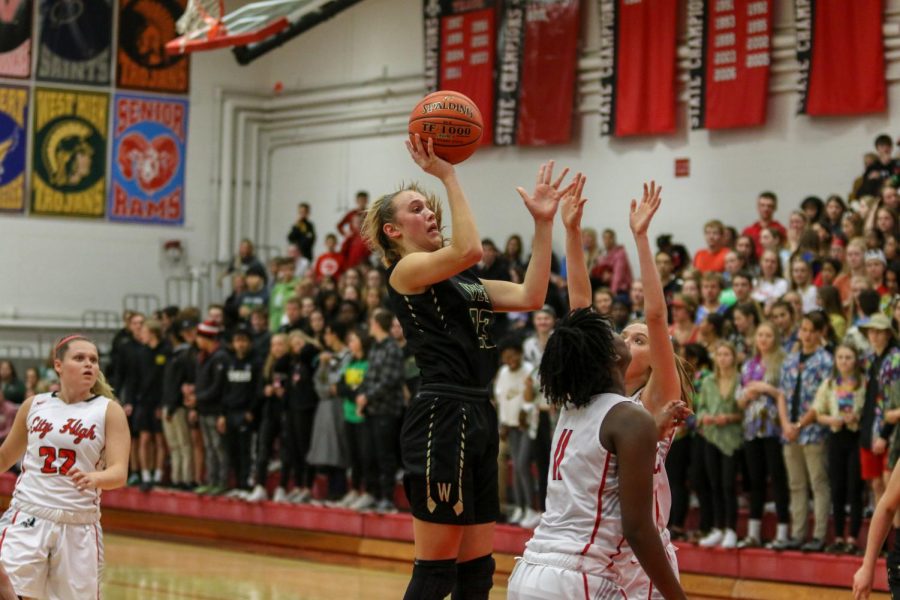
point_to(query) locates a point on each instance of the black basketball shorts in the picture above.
(449, 445)
(145, 419)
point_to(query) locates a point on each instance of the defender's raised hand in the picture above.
(642, 214)
(542, 204)
(571, 206)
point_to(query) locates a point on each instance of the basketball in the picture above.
(452, 120)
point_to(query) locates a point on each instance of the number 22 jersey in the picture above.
(62, 437)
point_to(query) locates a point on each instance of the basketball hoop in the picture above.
(204, 26)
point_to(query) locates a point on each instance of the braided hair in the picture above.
(579, 359)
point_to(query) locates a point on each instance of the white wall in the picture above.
(61, 267)
(793, 155)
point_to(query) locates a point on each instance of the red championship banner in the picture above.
(729, 48)
(841, 54)
(460, 48)
(637, 43)
(536, 71)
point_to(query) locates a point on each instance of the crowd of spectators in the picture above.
(303, 374)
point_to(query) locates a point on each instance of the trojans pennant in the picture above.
(637, 46)
(729, 45)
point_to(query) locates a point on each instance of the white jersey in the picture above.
(62, 437)
(582, 526)
(662, 494)
(632, 577)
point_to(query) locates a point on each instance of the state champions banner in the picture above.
(460, 49)
(729, 45)
(15, 38)
(537, 63)
(149, 141)
(13, 125)
(142, 62)
(840, 48)
(75, 41)
(637, 47)
(68, 175)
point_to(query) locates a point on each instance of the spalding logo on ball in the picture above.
(452, 120)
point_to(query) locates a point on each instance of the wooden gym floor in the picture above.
(151, 569)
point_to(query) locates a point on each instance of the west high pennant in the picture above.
(536, 69)
(841, 54)
(69, 173)
(729, 44)
(460, 47)
(637, 45)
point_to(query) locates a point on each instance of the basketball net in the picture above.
(201, 19)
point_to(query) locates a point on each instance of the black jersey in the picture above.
(448, 329)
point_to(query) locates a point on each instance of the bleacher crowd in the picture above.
(303, 374)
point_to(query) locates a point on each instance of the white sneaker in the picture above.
(530, 519)
(348, 499)
(516, 516)
(236, 493)
(257, 495)
(364, 502)
(280, 495)
(274, 465)
(712, 539)
(300, 495)
(729, 540)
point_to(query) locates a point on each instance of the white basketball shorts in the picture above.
(533, 581)
(46, 559)
(635, 581)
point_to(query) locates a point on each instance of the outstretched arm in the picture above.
(118, 447)
(542, 204)
(634, 434)
(419, 270)
(16, 441)
(878, 531)
(664, 382)
(578, 281)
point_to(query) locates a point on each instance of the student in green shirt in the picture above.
(720, 424)
(281, 291)
(352, 377)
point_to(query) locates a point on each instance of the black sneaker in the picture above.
(813, 545)
(789, 544)
(146, 486)
(836, 547)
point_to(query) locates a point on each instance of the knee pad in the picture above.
(474, 579)
(431, 580)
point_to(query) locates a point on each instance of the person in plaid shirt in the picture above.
(380, 399)
(804, 451)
